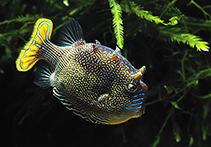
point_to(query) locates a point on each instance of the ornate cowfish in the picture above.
(94, 81)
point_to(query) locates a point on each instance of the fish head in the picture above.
(132, 95)
(128, 95)
(137, 91)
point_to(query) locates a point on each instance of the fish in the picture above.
(92, 80)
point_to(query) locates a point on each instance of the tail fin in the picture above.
(29, 54)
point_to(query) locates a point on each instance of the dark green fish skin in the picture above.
(93, 80)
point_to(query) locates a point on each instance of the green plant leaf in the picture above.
(117, 22)
(178, 35)
(177, 131)
(156, 142)
(147, 15)
(22, 19)
(191, 141)
(205, 129)
(175, 105)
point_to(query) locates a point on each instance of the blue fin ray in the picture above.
(70, 33)
(42, 75)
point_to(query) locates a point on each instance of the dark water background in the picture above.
(32, 117)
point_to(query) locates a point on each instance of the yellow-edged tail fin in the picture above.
(29, 54)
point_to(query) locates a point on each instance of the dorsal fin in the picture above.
(70, 33)
(118, 50)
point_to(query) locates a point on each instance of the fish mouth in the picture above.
(143, 86)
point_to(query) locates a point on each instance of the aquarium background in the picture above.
(170, 37)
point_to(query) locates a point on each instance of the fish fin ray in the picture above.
(43, 75)
(29, 54)
(70, 33)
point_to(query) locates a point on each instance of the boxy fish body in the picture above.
(94, 81)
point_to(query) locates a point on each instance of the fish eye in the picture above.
(131, 88)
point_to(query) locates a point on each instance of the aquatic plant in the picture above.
(170, 37)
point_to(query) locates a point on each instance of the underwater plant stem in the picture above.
(157, 140)
(75, 10)
(199, 7)
(184, 94)
(72, 12)
(166, 120)
(170, 4)
(182, 65)
(185, 91)
(153, 102)
(206, 7)
(21, 37)
(196, 24)
(181, 97)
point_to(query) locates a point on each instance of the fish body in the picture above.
(94, 81)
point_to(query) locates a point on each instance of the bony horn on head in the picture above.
(140, 73)
(142, 70)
